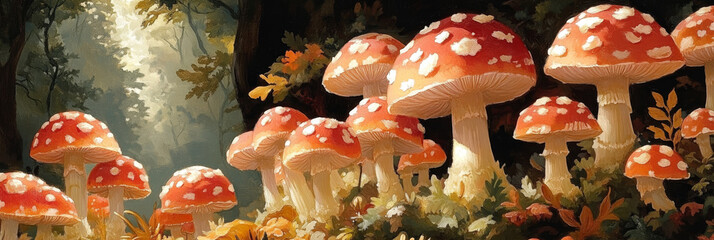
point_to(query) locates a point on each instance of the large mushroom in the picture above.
(172, 221)
(700, 125)
(319, 146)
(458, 66)
(242, 156)
(118, 180)
(199, 191)
(26, 199)
(73, 139)
(611, 47)
(556, 121)
(694, 37)
(433, 156)
(383, 135)
(649, 165)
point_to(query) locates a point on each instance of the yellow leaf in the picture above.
(658, 99)
(672, 99)
(657, 114)
(658, 133)
(274, 79)
(260, 92)
(667, 129)
(677, 119)
(677, 138)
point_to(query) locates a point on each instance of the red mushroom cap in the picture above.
(372, 124)
(433, 156)
(694, 37)
(188, 227)
(172, 219)
(241, 154)
(29, 200)
(124, 172)
(364, 60)
(656, 161)
(197, 189)
(321, 144)
(700, 121)
(461, 54)
(612, 40)
(558, 117)
(98, 206)
(274, 127)
(74, 131)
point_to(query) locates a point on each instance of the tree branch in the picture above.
(27, 93)
(221, 4)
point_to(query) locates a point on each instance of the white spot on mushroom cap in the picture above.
(389, 124)
(643, 29)
(666, 150)
(309, 130)
(358, 47)
(331, 123)
(528, 118)
(407, 130)
(508, 37)
(55, 117)
(130, 175)
(416, 55)
(542, 111)
(35, 142)
(407, 47)
(104, 126)
(286, 118)
(557, 50)
(429, 28)
(14, 186)
(337, 56)
(352, 64)
(663, 162)
(598, 8)
(631, 37)
(338, 70)
(373, 107)
(458, 17)
(621, 54)
(71, 115)
(588, 23)
(428, 65)
(421, 128)
(189, 196)
(369, 60)
(541, 101)
(85, 127)
(265, 120)
(322, 139)
(406, 85)
(659, 52)
(681, 165)
(56, 126)
(47, 141)
(563, 33)
(505, 58)
(563, 100)
(642, 158)
(44, 125)
(580, 110)
(482, 18)
(592, 42)
(391, 76)
(562, 111)
(353, 112)
(69, 139)
(120, 162)
(623, 13)
(50, 198)
(392, 48)
(217, 190)
(441, 37)
(114, 171)
(701, 33)
(144, 177)
(648, 18)
(346, 137)
(466, 47)
(492, 61)
(361, 102)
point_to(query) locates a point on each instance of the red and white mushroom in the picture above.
(611, 47)
(97, 208)
(320, 146)
(700, 125)
(383, 135)
(242, 156)
(433, 156)
(118, 180)
(199, 191)
(694, 37)
(556, 121)
(649, 165)
(458, 66)
(26, 199)
(172, 221)
(73, 139)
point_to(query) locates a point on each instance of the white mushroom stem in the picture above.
(557, 176)
(473, 162)
(615, 142)
(423, 177)
(273, 200)
(709, 75)
(371, 90)
(44, 232)
(336, 182)
(368, 172)
(300, 193)
(325, 204)
(115, 226)
(201, 222)
(387, 180)
(407, 182)
(76, 188)
(652, 192)
(175, 231)
(705, 146)
(8, 229)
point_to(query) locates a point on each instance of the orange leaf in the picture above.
(587, 223)
(539, 211)
(659, 100)
(692, 207)
(568, 217)
(658, 114)
(260, 92)
(658, 133)
(672, 99)
(313, 52)
(291, 61)
(605, 204)
(677, 119)
(548, 195)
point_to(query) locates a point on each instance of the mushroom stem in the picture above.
(407, 182)
(325, 204)
(371, 90)
(557, 176)
(368, 173)
(300, 193)
(473, 162)
(115, 226)
(8, 229)
(615, 142)
(76, 188)
(652, 192)
(705, 146)
(273, 200)
(387, 179)
(423, 178)
(175, 231)
(201, 222)
(336, 182)
(709, 75)
(44, 232)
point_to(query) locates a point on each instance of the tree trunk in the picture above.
(245, 46)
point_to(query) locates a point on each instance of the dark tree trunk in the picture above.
(245, 72)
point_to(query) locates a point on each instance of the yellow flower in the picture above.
(278, 228)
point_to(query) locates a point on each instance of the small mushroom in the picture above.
(695, 41)
(172, 221)
(649, 165)
(242, 156)
(97, 209)
(199, 191)
(433, 156)
(118, 180)
(700, 125)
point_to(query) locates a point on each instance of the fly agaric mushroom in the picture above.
(320, 146)
(242, 156)
(199, 191)
(118, 180)
(700, 125)
(26, 199)
(556, 121)
(693, 36)
(383, 135)
(611, 47)
(458, 66)
(97, 208)
(361, 66)
(433, 156)
(649, 165)
(172, 221)
(73, 139)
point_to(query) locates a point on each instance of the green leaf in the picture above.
(294, 41)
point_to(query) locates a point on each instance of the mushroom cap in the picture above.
(74, 132)
(372, 123)
(98, 206)
(364, 60)
(558, 117)
(30, 201)
(656, 161)
(172, 219)
(433, 156)
(608, 41)
(274, 127)
(699, 122)
(461, 54)
(694, 35)
(321, 144)
(197, 189)
(188, 227)
(241, 154)
(124, 172)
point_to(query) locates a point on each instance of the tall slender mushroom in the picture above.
(118, 180)
(694, 37)
(242, 156)
(73, 139)
(556, 121)
(199, 191)
(458, 66)
(433, 156)
(383, 135)
(649, 165)
(320, 146)
(172, 221)
(611, 47)
(700, 125)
